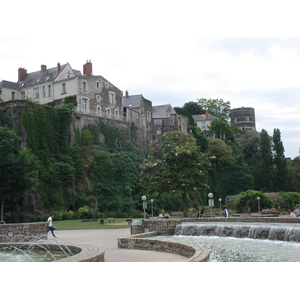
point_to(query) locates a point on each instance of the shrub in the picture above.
(249, 199)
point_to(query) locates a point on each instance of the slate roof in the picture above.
(39, 77)
(134, 101)
(203, 117)
(162, 111)
(9, 85)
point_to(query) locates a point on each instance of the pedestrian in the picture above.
(50, 226)
(225, 212)
(201, 212)
(292, 214)
(297, 210)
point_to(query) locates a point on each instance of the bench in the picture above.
(111, 220)
(129, 221)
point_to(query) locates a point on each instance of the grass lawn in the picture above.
(78, 225)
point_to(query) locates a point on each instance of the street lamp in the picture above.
(144, 198)
(220, 200)
(152, 206)
(258, 198)
(210, 202)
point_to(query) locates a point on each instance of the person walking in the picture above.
(50, 225)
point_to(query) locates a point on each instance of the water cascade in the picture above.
(270, 231)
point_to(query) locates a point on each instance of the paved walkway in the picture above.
(106, 240)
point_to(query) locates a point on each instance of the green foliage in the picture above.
(217, 107)
(175, 163)
(249, 199)
(47, 130)
(18, 168)
(291, 199)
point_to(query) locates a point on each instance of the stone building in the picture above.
(95, 95)
(138, 112)
(165, 119)
(244, 118)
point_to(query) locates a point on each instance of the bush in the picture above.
(248, 199)
(291, 199)
(86, 212)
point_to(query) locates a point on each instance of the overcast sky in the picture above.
(171, 51)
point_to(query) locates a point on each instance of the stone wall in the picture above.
(17, 232)
(167, 226)
(195, 253)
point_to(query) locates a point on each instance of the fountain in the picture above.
(269, 231)
(32, 248)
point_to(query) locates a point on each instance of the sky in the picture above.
(244, 52)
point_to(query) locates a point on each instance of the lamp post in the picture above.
(152, 206)
(220, 200)
(144, 198)
(210, 202)
(258, 198)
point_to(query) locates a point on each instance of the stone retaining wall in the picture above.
(17, 232)
(195, 253)
(167, 226)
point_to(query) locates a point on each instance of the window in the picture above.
(23, 95)
(108, 113)
(112, 98)
(44, 91)
(84, 105)
(116, 114)
(98, 84)
(98, 98)
(36, 94)
(203, 125)
(98, 111)
(63, 88)
(148, 116)
(49, 90)
(84, 86)
(12, 95)
(157, 121)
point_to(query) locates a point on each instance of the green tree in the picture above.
(219, 153)
(18, 169)
(264, 170)
(217, 107)
(175, 164)
(293, 175)
(220, 129)
(280, 163)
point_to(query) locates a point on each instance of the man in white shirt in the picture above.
(50, 226)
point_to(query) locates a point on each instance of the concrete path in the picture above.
(106, 240)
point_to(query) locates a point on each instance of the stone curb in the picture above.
(195, 253)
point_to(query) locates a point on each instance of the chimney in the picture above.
(43, 68)
(21, 73)
(126, 94)
(206, 115)
(88, 68)
(58, 67)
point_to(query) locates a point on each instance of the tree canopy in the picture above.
(175, 164)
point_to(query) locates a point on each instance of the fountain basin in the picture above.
(73, 253)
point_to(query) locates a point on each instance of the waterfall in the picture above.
(270, 231)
